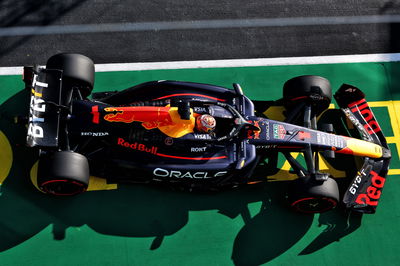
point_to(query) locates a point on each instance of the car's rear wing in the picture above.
(44, 114)
(365, 190)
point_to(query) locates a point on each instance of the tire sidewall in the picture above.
(301, 88)
(78, 71)
(63, 166)
(318, 191)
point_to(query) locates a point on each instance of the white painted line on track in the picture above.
(197, 24)
(254, 62)
(5, 71)
(279, 61)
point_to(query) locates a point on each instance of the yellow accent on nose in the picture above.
(364, 148)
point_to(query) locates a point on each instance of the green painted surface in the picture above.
(137, 225)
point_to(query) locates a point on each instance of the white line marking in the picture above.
(279, 61)
(196, 24)
(6, 71)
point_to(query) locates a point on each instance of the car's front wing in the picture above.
(365, 190)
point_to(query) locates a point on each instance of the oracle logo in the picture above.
(160, 172)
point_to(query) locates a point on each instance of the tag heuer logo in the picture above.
(279, 131)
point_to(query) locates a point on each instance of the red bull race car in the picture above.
(196, 136)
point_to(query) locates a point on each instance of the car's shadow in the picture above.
(140, 211)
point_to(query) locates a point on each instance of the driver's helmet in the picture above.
(205, 123)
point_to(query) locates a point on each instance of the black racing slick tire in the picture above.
(63, 173)
(315, 90)
(78, 71)
(311, 196)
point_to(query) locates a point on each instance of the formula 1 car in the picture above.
(195, 135)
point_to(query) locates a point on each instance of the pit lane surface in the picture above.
(152, 31)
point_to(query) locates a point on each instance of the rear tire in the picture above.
(310, 196)
(63, 173)
(78, 71)
(315, 90)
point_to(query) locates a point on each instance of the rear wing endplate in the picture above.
(44, 116)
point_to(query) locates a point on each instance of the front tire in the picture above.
(311, 196)
(314, 90)
(63, 173)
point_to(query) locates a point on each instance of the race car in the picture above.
(196, 136)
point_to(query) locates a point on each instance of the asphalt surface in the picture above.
(275, 37)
